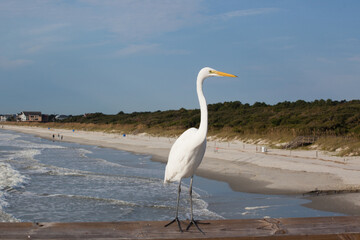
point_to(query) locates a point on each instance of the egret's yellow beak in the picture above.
(224, 74)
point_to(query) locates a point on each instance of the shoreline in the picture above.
(243, 166)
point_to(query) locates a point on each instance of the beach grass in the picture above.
(339, 145)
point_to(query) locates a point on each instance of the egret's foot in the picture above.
(195, 222)
(178, 223)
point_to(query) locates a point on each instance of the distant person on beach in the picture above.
(53, 137)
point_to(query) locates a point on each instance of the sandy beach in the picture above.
(244, 166)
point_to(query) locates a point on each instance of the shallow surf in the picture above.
(42, 180)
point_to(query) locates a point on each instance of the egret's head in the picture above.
(209, 72)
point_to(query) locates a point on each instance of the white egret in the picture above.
(188, 150)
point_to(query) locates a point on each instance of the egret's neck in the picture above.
(203, 109)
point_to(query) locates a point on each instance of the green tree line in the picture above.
(319, 118)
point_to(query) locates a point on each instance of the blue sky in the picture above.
(79, 56)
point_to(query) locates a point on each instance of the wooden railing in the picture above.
(269, 228)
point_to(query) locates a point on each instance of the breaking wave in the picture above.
(9, 180)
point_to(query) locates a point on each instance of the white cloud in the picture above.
(134, 19)
(149, 49)
(10, 64)
(352, 40)
(175, 52)
(354, 59)
(49, 23)
(127, 19)
(38, 43)
(34, 48)
(135, 49)
(248, 12)
(287, 47)
(45, 29)
(325, 60)
(141, 19)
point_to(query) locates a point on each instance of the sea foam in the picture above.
(9, 179)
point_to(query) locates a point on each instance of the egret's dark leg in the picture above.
(176, 219)
(192, 221)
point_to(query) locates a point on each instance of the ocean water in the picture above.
(42, 180)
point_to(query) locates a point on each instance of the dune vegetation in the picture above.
(336, 124)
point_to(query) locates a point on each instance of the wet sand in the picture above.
(243, 166)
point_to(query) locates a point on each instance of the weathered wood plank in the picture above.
(284, 228)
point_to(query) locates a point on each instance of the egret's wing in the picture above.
(180, 157)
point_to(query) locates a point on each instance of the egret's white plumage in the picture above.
(185, 156)
(188, 150)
